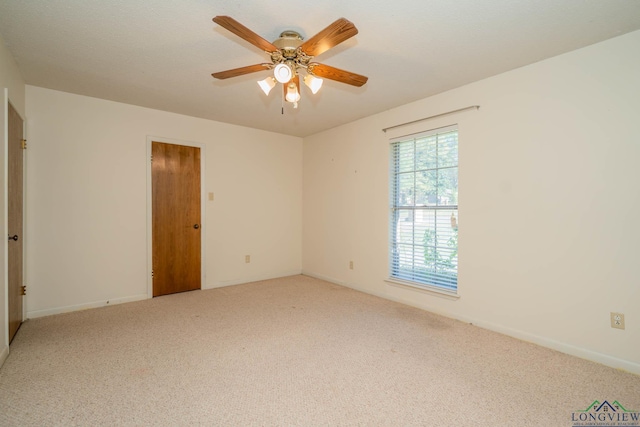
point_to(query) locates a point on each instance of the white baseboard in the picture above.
(3, 355)
(268, 276)
(58, 310)
(336, 281)
(572, 350)
(562, 347)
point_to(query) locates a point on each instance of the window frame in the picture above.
(411, 276)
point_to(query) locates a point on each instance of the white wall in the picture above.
(86, 200)
(549, 202)
(11, 90)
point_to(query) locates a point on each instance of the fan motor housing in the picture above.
(288, 43)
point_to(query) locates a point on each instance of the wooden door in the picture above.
(175, 181)
(15, 195)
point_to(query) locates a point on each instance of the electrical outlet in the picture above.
(350, 265)
(617, 320)
(247, 259)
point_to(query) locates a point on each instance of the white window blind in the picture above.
(424, 209)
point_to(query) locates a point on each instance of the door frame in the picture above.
(5, 224)
(203, 222)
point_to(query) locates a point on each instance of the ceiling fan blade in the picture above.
(241, 71)
(331, 36)
(243, 32)
(332, 73)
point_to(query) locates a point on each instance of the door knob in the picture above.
(196, 226)
(14, 237)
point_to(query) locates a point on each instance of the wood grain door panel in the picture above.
(176, 218)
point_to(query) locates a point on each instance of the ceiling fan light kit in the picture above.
(267, 84)
(313, 83)
(283, 72)
(290, 56)
(292, 93)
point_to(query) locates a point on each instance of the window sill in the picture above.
(432, 290)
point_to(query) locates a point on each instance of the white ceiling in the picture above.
(160, 54)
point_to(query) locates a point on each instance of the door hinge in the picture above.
(23, 290)
(152, 158)
(23, 144)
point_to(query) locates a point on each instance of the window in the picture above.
(424, 209)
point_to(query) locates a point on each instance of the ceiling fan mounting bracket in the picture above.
(290, 34)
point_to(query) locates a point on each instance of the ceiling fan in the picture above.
(290, 55)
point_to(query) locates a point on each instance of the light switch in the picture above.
(211, 197)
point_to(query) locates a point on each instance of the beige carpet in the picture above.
(291, 351)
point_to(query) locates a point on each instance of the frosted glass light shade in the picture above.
(292, 93)
(267, 84)
(283, 73)
(313, 83)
